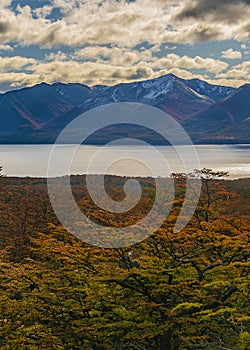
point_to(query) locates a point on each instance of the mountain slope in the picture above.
(209, 113)
(168, 93)
(25, 113)
(225, 120)
(215, 92)
(32, 107)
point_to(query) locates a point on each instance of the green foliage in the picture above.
(186, 290)
(244, 341)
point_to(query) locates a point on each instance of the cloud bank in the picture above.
(105, 41)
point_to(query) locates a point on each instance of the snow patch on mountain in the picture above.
(201, 96)
(215, 92)
(158, 86)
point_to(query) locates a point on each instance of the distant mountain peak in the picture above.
(38, 113)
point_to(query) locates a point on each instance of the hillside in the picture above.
(209, 113)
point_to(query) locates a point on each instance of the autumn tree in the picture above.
(175, 290)
(212, 191)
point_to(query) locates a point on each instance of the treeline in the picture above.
(173, 291)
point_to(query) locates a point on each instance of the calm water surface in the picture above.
(32, 160)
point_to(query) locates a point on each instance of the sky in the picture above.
(113, 41)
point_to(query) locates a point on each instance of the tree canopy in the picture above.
(173, 291)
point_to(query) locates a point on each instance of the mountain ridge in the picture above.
(209, 113)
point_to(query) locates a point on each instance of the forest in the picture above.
(173, 291)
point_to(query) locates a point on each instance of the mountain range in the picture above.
(209, 113)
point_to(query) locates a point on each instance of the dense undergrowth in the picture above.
(187, 290)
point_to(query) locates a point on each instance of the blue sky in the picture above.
(110, 41)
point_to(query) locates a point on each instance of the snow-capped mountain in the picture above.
(227, 119)
(168, 93)
(215, 92)
(37, 114)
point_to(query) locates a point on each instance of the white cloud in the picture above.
(6, 48)
(245, 66)
(230, 54)
(15, 63)
(101, 37)
(5, 3)
(93, 73)
(240, 73)
(175, 61)
(116, 55)
(56, 56)
(117, 22)
(227, 82)
(104, 67)
(43, 12)
(232, 74)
